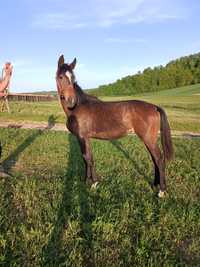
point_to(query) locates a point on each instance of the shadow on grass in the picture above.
(11, 160)
(119, 146)
(59, 250)
(156, 210)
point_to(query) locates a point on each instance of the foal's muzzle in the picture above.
(70, 101)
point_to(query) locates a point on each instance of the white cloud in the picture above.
(105, 13)
(57, 21)
(118, 40)
(113, 12)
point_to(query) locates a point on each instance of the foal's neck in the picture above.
(84, 97)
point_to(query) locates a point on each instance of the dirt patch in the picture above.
(35, 125)
(62, 127)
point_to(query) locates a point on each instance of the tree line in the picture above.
(180, 72)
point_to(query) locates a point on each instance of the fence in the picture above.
(31, 97)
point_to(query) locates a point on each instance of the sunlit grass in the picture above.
(49, 217)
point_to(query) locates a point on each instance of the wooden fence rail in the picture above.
(31, 97)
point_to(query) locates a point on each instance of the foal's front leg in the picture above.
(88, 159)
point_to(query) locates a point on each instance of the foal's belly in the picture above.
(107, 135)
(110, 132)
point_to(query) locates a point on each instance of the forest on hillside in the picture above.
(180, 72)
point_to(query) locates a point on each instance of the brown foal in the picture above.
(88, 117)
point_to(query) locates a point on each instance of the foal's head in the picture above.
(65, 80)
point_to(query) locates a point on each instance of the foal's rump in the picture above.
(148, 120)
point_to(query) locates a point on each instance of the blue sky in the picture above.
(109, 38)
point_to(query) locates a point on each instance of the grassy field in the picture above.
(181, 104)
(49, 217)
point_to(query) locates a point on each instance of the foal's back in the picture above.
(110, 120)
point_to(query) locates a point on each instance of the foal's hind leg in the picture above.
(148, 133)
(88, 159)
(159, 167)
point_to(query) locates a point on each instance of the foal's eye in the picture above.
(60, 77)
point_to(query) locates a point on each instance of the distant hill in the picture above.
(188, 90)
(177, 73)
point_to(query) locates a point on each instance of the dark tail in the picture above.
(166, 138)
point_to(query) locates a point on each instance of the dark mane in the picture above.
(83, 97)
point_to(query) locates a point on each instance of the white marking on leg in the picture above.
(94, 186)
(161, 194)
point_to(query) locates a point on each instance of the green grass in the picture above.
(33, 112)
(181, 104)
(49, 217)
(181, 91)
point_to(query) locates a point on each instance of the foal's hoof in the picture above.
(161, 194)
(94, 185)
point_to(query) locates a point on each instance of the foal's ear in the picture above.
(61, 61)
(73, 64)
